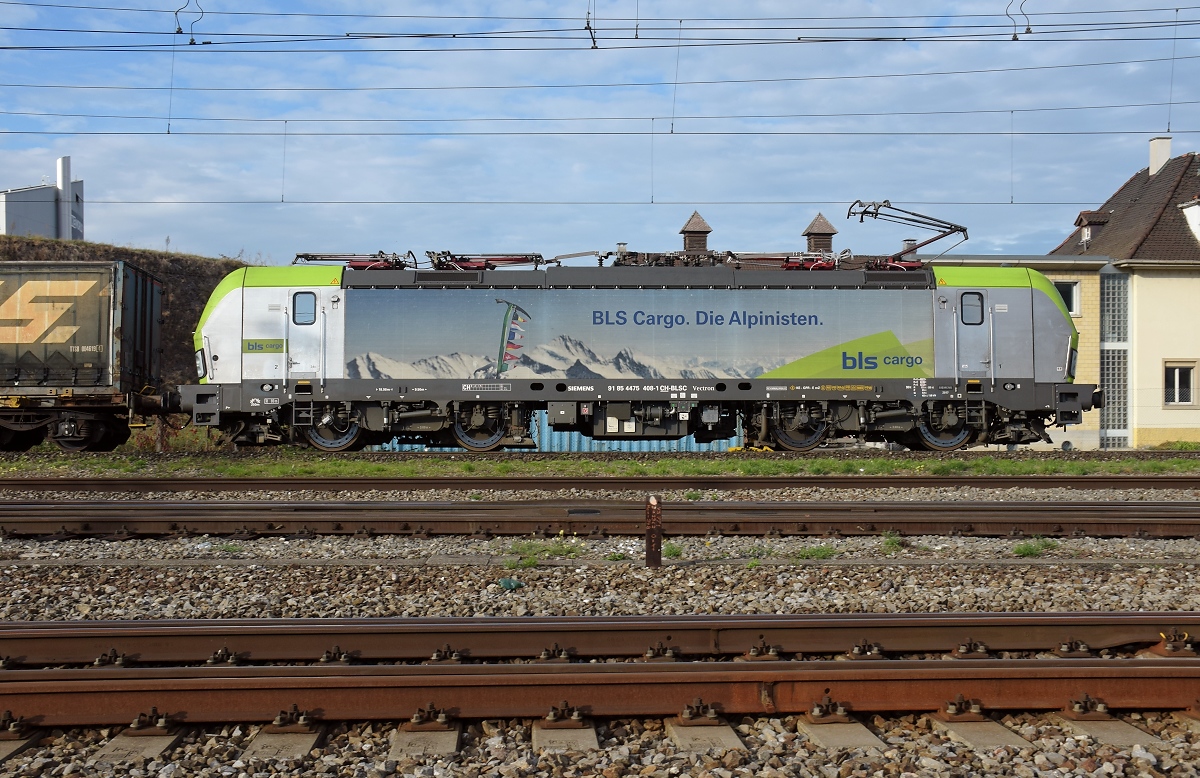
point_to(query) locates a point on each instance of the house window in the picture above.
(304, 308)
(1069, 291)
(1178, 378)
(1085, 233)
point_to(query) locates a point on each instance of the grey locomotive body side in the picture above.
(797, 358)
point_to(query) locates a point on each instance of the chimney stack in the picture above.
(65, 198)
(820, 235)
(909, 244)
(1160, 153)
(695, 234)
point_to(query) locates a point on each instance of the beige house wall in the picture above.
(1162, 329)
(1087, 368)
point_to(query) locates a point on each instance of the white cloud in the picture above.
(572, 176)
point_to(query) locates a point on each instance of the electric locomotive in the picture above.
(464, 352)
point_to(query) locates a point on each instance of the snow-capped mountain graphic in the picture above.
(564, 357)
(372, 365)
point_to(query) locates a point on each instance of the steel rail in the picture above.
(599, 483)
(24, 644)
(81, 697)
(123, 519)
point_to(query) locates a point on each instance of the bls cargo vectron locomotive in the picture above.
(339, 356)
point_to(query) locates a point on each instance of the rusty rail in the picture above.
(197, 695)
(124, 519)
(557, 639)
(599, 483)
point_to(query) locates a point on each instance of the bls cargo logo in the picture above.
(32, 311)
(851, 362)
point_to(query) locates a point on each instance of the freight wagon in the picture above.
(79, 350)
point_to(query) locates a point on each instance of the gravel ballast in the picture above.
(211, 577)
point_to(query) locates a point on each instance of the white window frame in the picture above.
(1073, 307)
(1179, 364)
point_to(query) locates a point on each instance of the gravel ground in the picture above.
(638, 747)
(390, 576)
(789, 494)
(100, 591)
(509, 552)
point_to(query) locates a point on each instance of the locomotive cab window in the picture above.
(971, 305)
(304, 308)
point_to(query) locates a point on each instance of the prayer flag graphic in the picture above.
(511, 332)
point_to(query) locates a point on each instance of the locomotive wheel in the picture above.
(476, 434)
(948, 439)
(335, 436)
(803, 438)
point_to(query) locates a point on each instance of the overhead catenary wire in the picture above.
(487, 17)
(631, 118)
(612, 85)
(689, 203)
(601, 133)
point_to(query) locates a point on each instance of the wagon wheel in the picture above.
(478, 427)
(27, 439)
(333, 432)
(942, 438)
(91, 434)
(798, 436)
(115, 433)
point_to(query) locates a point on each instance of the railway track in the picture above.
(466, 485)
(576, 639)
(120, 519)
(1157, 668)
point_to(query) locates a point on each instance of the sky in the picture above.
(263, 129)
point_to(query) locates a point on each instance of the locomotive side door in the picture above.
(973, 330)
(264, 336)
(305, 325)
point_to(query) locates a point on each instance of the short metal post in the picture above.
(654, 534)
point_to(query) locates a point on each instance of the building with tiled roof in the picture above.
(1138, 308)
(1147, 222)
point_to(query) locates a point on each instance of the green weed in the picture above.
(816, 552)
(560, 547)
(202, 453)
(1035, 547)
(672, 550)
(892, 543)
(1179, 445)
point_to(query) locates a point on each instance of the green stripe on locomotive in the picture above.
(287, 276)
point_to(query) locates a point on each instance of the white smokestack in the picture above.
(1160, 153)
(65, 198)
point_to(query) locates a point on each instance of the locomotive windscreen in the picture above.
(638, 334)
